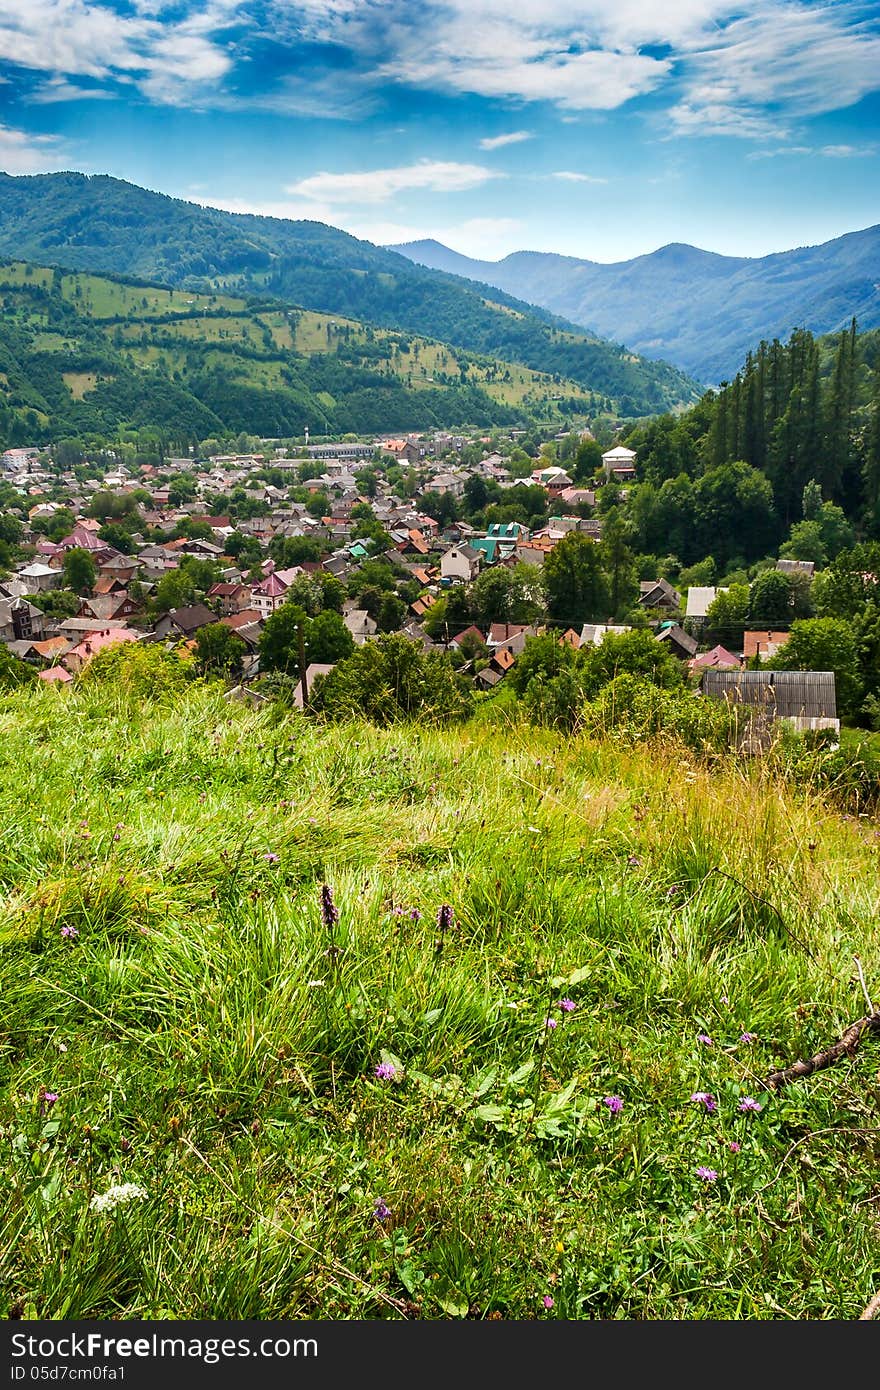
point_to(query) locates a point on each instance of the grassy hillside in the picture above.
(700, 310)
(86, 353)
(99, 224)
(371, 1117)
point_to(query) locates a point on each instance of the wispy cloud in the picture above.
(777, 63)
(821, 152)
(496, 142)
(22, 153)
(378, 185)
(571, 176)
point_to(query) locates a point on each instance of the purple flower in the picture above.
(748, 1104)
(748, 1037)
(69, 933)
(566, 1005)
(547, 1301)
(272, 857)
(704, 1038)
(704, 1098)
(614, 1103)
(707, 1174)
(551, 1023)
(381, 1211)
(734, 1147)
(386, 1071)
(445, 917)
(415, 915)
(329, 910)
(48, 1098)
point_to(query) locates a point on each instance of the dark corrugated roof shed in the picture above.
(781, 694)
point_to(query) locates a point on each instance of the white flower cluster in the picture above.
(114, 1196)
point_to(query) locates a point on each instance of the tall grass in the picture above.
(166, 974)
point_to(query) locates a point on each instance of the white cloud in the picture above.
(23, 153)
(571, 176)
(496, 142)
(85, 38)
(378, 185)
(730, 67)
(848, 151)
(780, 62)
(747, 68)
(59, 89)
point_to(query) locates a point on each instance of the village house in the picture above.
(39, 578)
(699, 600)
(184, 622)
(763, 644)
(679, 642)
(659, 594)
(80, 655)
(360, 625)
(619, 464)
(461, 563)
(594, 633)
(107, 607)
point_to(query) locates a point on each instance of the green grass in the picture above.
(194, 1056)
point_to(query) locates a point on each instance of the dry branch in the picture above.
(872, 1309)
(845, 1046)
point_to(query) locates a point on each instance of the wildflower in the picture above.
(48, 1098)
(547, 1301)
(707, 1174)
(551, 1023)
(386, 1071)
(415, 915)
(381, 1211)
(614, 1103)
(634, 861)
(329, 910)
(314, 984)
(116, 835)
(748, 1104)
(69, 933)
(748, 1037)
(271, 857)
(115, 1196)
(704, 1098)
(534, 830)
(705, 1039)
(734, 1146)
(566, 1005)
(445, 917)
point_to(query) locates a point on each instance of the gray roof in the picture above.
(782, 694)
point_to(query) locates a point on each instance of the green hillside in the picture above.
(371, 1117)
(83, 354)
(104, 225)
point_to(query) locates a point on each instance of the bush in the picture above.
(633, 711)
(393, 679)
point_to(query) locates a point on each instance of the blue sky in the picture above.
(596, 128)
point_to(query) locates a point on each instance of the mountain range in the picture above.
(103, 225)
(694, 308)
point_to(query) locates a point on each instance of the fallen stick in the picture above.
(872, 1309)
(845, 1046)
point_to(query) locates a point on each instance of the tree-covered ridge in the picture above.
(796, 433)
(81, 354)
(104, 225)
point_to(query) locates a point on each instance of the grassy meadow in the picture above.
(533, 1107)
